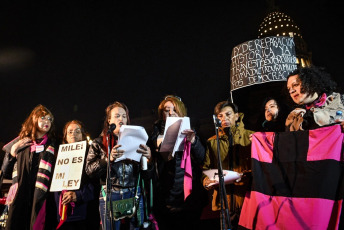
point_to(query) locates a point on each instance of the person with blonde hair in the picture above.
(175, 206)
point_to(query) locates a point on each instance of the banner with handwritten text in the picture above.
(262, 60)
(68, 167)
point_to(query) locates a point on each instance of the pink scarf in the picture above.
(186, 164)
(317, 103)
(43, 142)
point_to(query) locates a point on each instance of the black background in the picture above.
(76, 57)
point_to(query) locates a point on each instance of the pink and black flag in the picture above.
(297, 180)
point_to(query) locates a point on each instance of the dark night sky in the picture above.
(75, 57)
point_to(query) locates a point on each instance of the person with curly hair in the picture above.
(313, 90)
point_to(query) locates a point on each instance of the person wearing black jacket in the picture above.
(124, 174)
(31, 159)
(173, 208)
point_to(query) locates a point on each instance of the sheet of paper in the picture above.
(130, 137)
(173, 139)
(229, 177)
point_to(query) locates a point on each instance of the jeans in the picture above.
(118, 195)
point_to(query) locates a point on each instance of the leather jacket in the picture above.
(123, 173)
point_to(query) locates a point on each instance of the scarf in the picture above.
(43, 178)
(186, 164)
(317, 103)
(35, 145)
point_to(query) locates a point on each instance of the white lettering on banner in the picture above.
(262, 60)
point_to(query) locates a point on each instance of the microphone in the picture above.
(217, 121)
(112, 127)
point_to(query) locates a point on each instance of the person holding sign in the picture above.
(124, 175)
(235, 152)
(178, 200)
(313, 91)
(81, 206)
(31, 155)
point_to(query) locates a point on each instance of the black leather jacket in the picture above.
(123, 174)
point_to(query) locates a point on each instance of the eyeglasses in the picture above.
(76, 131)
(47, 118)
(172, 96)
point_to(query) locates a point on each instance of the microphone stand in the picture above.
(224, 218)
(109, 214)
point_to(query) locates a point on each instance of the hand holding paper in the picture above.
(228, 176)
(173, 136)
(190, 135)
(116, 152)
(130, 138)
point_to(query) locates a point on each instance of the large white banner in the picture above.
(262, 60)
(68, 167)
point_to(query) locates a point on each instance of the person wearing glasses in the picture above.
(31, 158)
(173, 208)
(313, 91)
(83, 204)
(275, 115)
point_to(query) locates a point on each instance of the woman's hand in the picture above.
(68, 197)
(206, 183)
(116, 153)
(22, 143)
(190, 135)
(145, 151)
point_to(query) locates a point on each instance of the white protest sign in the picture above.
(68, 167)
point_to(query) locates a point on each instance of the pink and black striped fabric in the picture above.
(297, 180)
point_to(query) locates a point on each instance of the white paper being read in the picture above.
(228, 176)
(173, 139)
(130, 137)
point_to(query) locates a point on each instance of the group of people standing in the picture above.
(173, 190)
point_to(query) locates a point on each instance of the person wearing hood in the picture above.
(235, 152)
